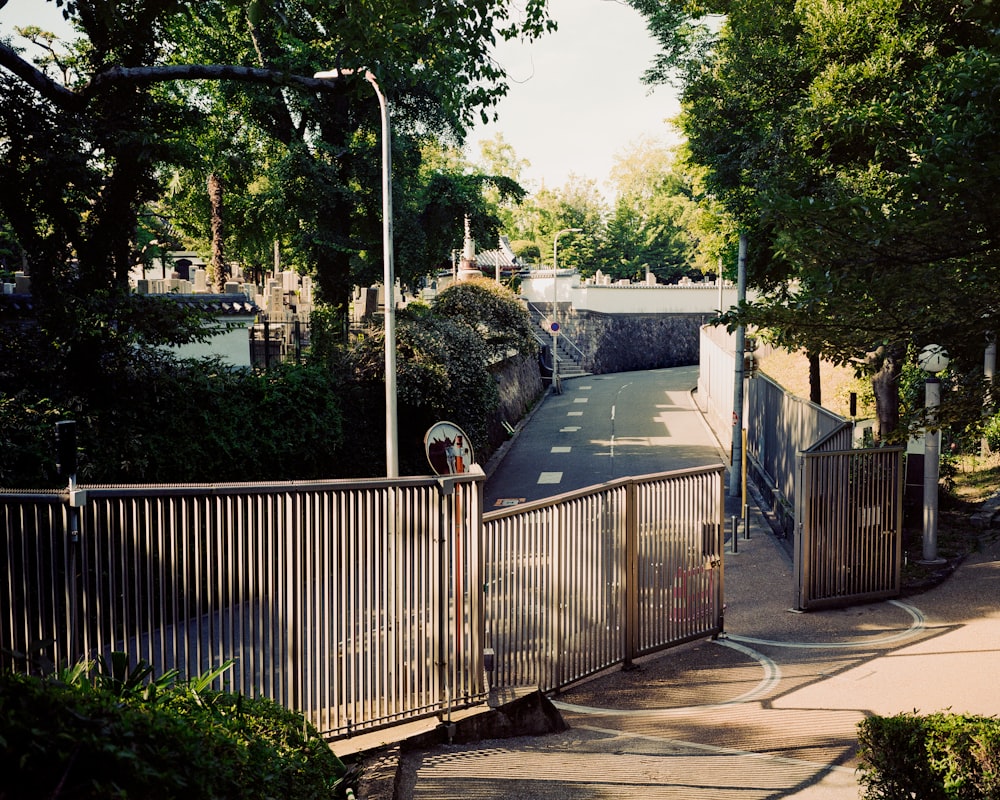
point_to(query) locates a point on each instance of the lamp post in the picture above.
(555, 305)
(932, 359)
(388, 276)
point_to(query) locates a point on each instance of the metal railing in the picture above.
(352, 602)
(575, 353)
(275, 341)
(361, 603)
(592, 578)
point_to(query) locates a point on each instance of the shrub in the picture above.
(70, 736)
(991, 432)
(934, 757)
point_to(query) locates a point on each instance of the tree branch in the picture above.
(36, 79)
(113, 76)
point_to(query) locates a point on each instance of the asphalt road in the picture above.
(604, 427)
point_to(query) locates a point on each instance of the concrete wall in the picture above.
(520, 383)
(230, 341)
(626, 342)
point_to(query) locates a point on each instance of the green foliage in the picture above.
(442, 374)
(151, 418)
(27, 446)
(493, 311)
(853, 143)
(154, 419)
(86, 734)
(946, 756)
(991, 432)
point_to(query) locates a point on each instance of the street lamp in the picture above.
(388, 277)
(555, 305)
(932, 360)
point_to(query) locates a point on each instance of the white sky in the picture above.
(576, 99)
(21, 13)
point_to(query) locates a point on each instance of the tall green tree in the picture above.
(649, 228)
(82, 157)
(852, 141)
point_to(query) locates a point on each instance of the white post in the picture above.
(989, 369)
(932, 360)
(932, 470)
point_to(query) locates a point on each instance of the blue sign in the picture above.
(554, 327)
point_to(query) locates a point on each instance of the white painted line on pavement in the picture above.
(581, 399)
(569, 429)
(767, 684)
(916, 626)
(574, 413)
(559, 449)
(812, 766)
(550, 477)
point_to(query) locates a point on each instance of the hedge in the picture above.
(934, 757)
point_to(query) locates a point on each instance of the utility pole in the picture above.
(736, 467)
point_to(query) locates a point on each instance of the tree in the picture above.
(852, 142)
(649, 229)
(109, 137)
(577, 204)
(494, 312)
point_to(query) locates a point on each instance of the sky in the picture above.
(576, 97)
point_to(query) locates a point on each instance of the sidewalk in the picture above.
(769, 710)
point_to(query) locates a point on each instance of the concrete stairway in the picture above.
(568, 353)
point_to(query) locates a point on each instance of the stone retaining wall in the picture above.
(627, 342)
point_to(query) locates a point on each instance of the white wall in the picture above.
(231, 343)
(634, 298)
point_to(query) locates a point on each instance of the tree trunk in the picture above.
(888, 362)
(218, 266)
(815, 381)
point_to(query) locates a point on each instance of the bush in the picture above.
(934, 757)
(159, 420)
(69, 736)
(991, 432)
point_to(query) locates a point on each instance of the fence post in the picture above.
(66, 467)
(267, 343)
(447, 491)
(801, 549)
(631, 588)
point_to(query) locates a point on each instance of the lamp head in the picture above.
(933, 359)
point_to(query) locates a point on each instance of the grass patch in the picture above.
(974, 480)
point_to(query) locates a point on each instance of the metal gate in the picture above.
(848, 542)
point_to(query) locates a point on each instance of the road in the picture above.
(604, 427)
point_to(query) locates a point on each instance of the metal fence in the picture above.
(848, 546)
(589, 579)
(350, 601)
(779, 427)
(361, 603)
(273, 342)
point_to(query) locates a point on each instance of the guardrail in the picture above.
(353, 602)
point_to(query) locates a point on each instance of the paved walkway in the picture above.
(768, 711)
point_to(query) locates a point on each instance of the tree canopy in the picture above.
(854, 143)
(157, 95)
